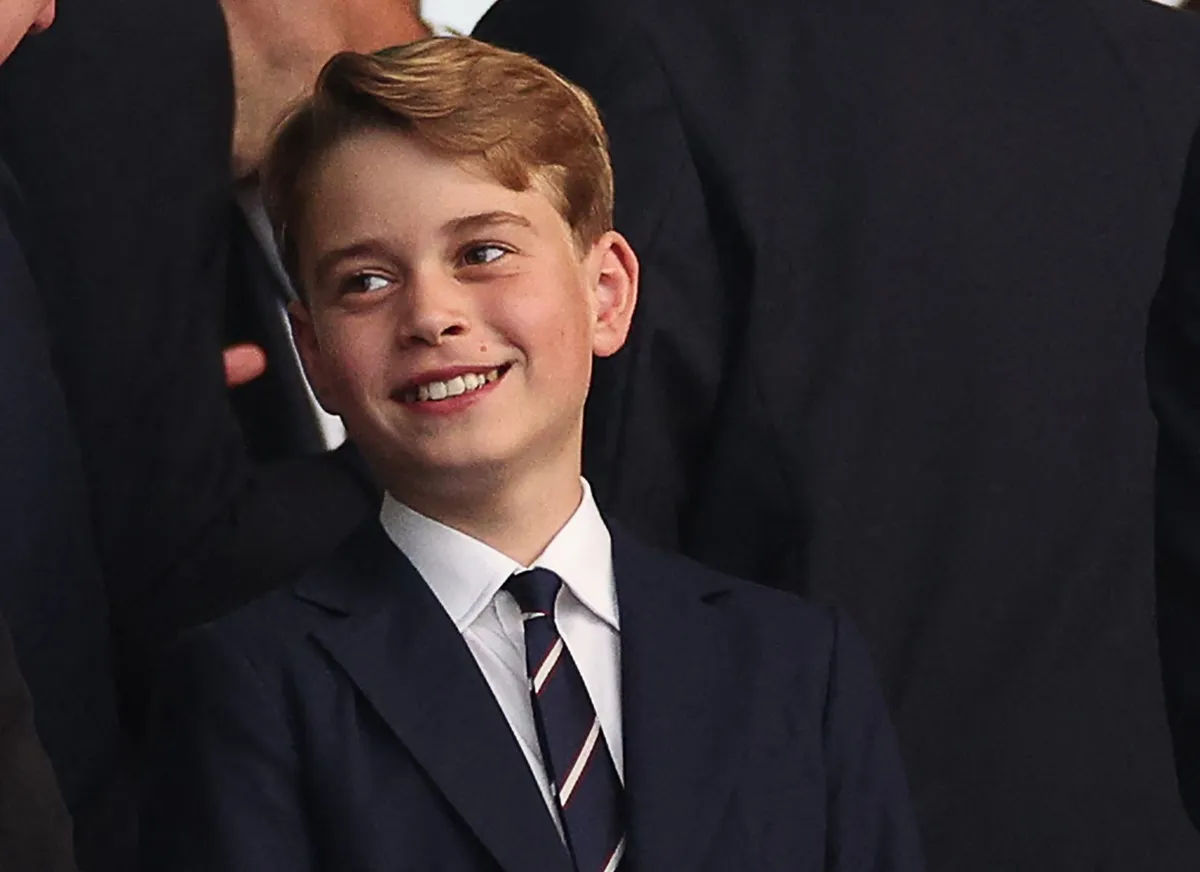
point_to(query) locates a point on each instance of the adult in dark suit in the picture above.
(50, 575)
(1173, 367)
(52, 598)
(897, 263)
(743, 708)
(118, 123)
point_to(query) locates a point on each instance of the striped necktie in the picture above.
(581, 771)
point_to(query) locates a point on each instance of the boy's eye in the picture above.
(477, 255)
(366, 283)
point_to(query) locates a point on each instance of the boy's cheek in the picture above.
(352, 378)
(353, 350)
(336, 374)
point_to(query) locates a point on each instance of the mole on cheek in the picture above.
(483, 349)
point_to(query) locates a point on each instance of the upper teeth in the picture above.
(460, 384)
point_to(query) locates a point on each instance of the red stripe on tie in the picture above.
(614, 859)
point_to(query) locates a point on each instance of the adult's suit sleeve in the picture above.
(51, 590)
(35, 828)
(224, 792)
(1173, 370)
(871, 825)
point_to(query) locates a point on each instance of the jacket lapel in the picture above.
(402, 651)
(681, 704)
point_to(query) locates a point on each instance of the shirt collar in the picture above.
(465, 574)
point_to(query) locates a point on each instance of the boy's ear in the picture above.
(309, 350)
(616, 278)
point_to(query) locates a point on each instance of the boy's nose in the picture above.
(44, 18)
(435, 312)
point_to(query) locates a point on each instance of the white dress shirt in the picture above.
(467, 575)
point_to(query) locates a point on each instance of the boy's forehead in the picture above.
(392, 178)
(398, 160)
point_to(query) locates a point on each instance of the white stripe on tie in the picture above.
(580, 764)
(547, 666)
(615, 859)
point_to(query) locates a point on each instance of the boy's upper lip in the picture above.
(446, 373)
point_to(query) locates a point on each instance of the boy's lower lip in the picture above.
(452, 405)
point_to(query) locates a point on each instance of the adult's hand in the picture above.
(244, 363)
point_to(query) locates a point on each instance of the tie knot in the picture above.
(535, 591)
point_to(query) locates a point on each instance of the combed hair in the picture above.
(520, 119)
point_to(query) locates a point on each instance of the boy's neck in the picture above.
(518, 514)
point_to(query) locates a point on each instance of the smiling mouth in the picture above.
(465, 383)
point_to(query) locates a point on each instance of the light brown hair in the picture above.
(520, 119)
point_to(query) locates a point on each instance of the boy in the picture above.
(487, 677)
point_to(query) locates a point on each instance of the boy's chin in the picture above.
(446, 472)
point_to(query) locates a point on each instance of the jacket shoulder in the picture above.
(778, 619)
(273, 625)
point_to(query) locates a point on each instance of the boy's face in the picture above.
(451, 321)
(20, 18)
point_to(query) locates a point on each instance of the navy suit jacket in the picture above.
(343, 724)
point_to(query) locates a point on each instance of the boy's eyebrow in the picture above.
(485, 219)
(329, 259)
